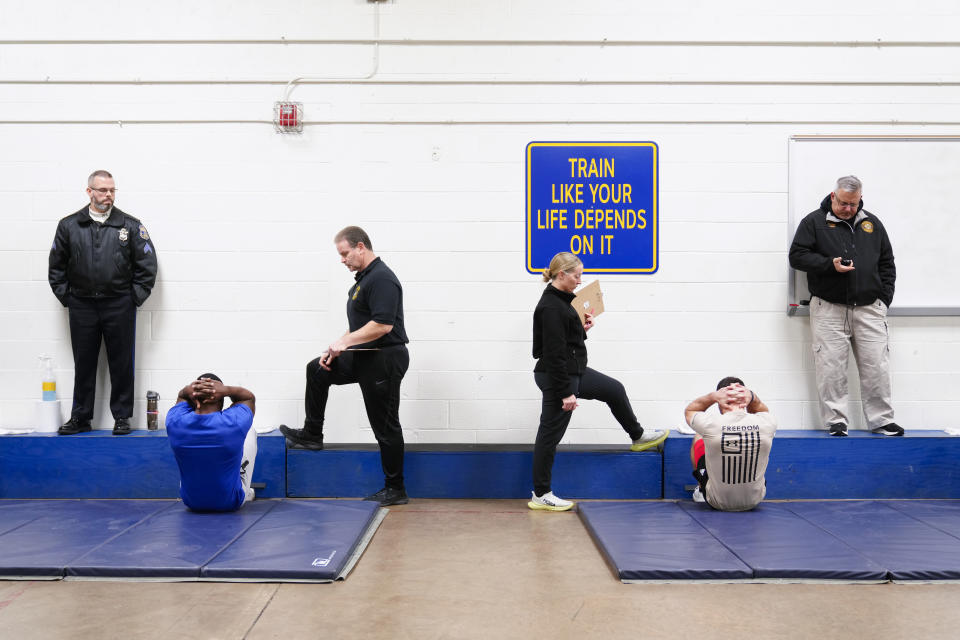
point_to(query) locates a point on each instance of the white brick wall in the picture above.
(251, 287)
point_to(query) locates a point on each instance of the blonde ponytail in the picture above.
(563, 261)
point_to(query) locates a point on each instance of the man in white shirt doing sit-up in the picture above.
(731, 449)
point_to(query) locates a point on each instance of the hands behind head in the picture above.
(734, 396)
(206, 390)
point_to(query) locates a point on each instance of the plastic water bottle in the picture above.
(49, 392)
(153, 415)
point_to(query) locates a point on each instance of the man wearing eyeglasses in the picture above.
(102, 267)
(847, 256)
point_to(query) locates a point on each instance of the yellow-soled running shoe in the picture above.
(549, 502)
(650, 439)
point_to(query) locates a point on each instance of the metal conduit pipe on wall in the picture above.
(880, 44)
(448, 122)
(367, 79)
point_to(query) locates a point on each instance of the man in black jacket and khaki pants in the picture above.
(102, 267)
(847, 256)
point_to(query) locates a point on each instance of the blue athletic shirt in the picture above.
(209, 449)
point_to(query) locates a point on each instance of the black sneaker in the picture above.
(74, 426)
(300, 439)
(838, 429)
(389, 496)
(121, 426)
(378, 496)
(892, 429)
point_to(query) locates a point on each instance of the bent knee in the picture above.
(617, 389)
(313, 367)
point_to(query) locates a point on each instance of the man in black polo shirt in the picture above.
(372, 353)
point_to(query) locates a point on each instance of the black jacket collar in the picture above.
(832, 217)
(115, 219)
(563, 295)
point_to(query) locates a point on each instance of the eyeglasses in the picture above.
(846, 205)
(103, 191)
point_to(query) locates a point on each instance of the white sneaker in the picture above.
(649, 439)
(698, 495)
(549, 502)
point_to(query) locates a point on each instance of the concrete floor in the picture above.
(476, 569)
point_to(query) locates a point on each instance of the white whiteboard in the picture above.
(912, 183)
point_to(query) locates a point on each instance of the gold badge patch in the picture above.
(832, 225)
(143, 233)
(867, 226)
(122, 234)
(355, 292)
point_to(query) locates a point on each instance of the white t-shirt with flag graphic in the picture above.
(737, 449)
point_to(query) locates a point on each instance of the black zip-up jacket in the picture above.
(558, 340)
(91, 260)
(821, 237)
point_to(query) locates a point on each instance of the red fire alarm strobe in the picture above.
(288, 117)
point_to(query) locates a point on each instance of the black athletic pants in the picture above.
(379, 374)
(592, 385)
(112, 321)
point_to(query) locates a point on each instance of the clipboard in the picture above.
(589, 298)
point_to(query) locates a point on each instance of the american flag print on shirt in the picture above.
(741, 454)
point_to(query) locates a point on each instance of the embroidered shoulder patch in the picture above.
(143, 233)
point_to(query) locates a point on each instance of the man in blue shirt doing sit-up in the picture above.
(215, 448)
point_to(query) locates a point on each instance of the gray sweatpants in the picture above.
(836, 328)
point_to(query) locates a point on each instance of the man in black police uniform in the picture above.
(102, 267)
(378, 361)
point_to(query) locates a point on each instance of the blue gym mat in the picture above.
(304, 540)
(16, 514)
(848, 541)
(62, 530)
(939, 514)
(658, 541)
(172, 543)
(775, 543)
(163, 540)
(909, 548)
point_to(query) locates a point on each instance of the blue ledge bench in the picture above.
(815, 465)
(476, 471)
(100, 465)
(803, 465)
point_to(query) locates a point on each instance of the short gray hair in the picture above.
(353, 236)
(99, 173)
(850, 184)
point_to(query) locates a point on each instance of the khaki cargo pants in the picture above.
(836, 328)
